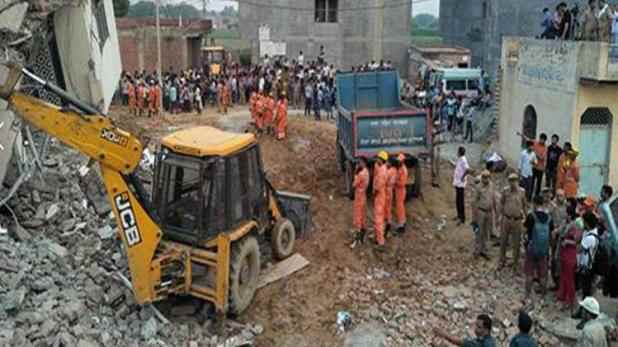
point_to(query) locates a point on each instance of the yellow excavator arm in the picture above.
(118, 154)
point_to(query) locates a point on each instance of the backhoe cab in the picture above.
(209, 184)
(213, 215)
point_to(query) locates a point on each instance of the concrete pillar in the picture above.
(140, 38)
(378, 31)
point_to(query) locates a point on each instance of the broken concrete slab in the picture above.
(57, 249)
(366, 335)
(12, 17)
(150, 329)
(19, 233)
(282, 269)
(7, 139)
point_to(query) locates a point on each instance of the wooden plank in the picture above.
(282, 269)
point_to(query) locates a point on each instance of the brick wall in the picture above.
(138, 42)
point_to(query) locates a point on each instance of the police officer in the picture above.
(514, 206)
(484, 206)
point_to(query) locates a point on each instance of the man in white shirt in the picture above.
(527, 160)
(462, 169)
(587, 251)
(301, 58)
(261, 83)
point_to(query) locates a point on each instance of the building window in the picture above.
(98, 11)
(326, 11)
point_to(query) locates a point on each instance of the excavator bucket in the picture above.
(296, 207)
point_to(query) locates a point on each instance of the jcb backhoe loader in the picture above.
(212, 206)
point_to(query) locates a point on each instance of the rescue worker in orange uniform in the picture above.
(568, 175)
(379, 196)
(152, 99)
(400, 193)
(391, 179)
(269, 112)
(226, 97)
(252, 107)
(282, 117)
(140, 98)
(131, 95)
(361, 182)
(157, 89)
(260, 106)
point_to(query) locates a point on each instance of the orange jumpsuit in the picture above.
(140, 99)
(379, 200)
(259, 111)
(131, 94)
(391, 179)
(568, 177)
(252, 107)
(269, 111)
(157, 99)
(225, 98)
(361, 182)
(282, 119)
(152, 100)
(400, 195)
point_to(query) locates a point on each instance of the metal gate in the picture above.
(594, 142)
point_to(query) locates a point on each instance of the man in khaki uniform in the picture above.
(514, 207)
(589, 28)
(484, 206)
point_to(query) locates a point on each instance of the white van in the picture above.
(464, 82)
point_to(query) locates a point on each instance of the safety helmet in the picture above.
(383, 155)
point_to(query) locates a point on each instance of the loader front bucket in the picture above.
(296, 208)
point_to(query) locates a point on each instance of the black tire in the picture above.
(348, 180)
(244, 273)
(282, 239)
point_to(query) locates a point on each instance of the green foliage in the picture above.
(425, 21)
(229, 11)
(142, 9)
(147, 9)
(245, 57)
(121, 8)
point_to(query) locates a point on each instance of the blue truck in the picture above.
(371, 117)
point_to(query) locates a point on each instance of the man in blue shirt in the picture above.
(523, 339)
(482, 330)
(526, 161)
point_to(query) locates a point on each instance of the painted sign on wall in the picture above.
(548, 64)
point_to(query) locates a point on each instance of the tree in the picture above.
(142, 9)
(229, 11)
(148, 9)
(121, 8)
(425, 21)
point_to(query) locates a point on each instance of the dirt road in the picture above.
(421, 266)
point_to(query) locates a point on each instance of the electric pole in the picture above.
(158, 4)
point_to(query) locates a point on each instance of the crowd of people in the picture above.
(598, 22)
(303, 84)
(569, 236)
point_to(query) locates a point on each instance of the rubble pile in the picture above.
(61, 269)
(407, 304)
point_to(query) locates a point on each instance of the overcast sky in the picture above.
(424, 6)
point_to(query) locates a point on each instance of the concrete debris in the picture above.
(106, 232)
(12, 18)
(59, 270)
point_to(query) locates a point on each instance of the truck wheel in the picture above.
(244, 273)
(348, 177)
(282, 238)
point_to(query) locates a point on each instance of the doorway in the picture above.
(594, 142)
(528, 127)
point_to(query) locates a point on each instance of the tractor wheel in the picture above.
(348, 179)
(244, 273)
(282, 238)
